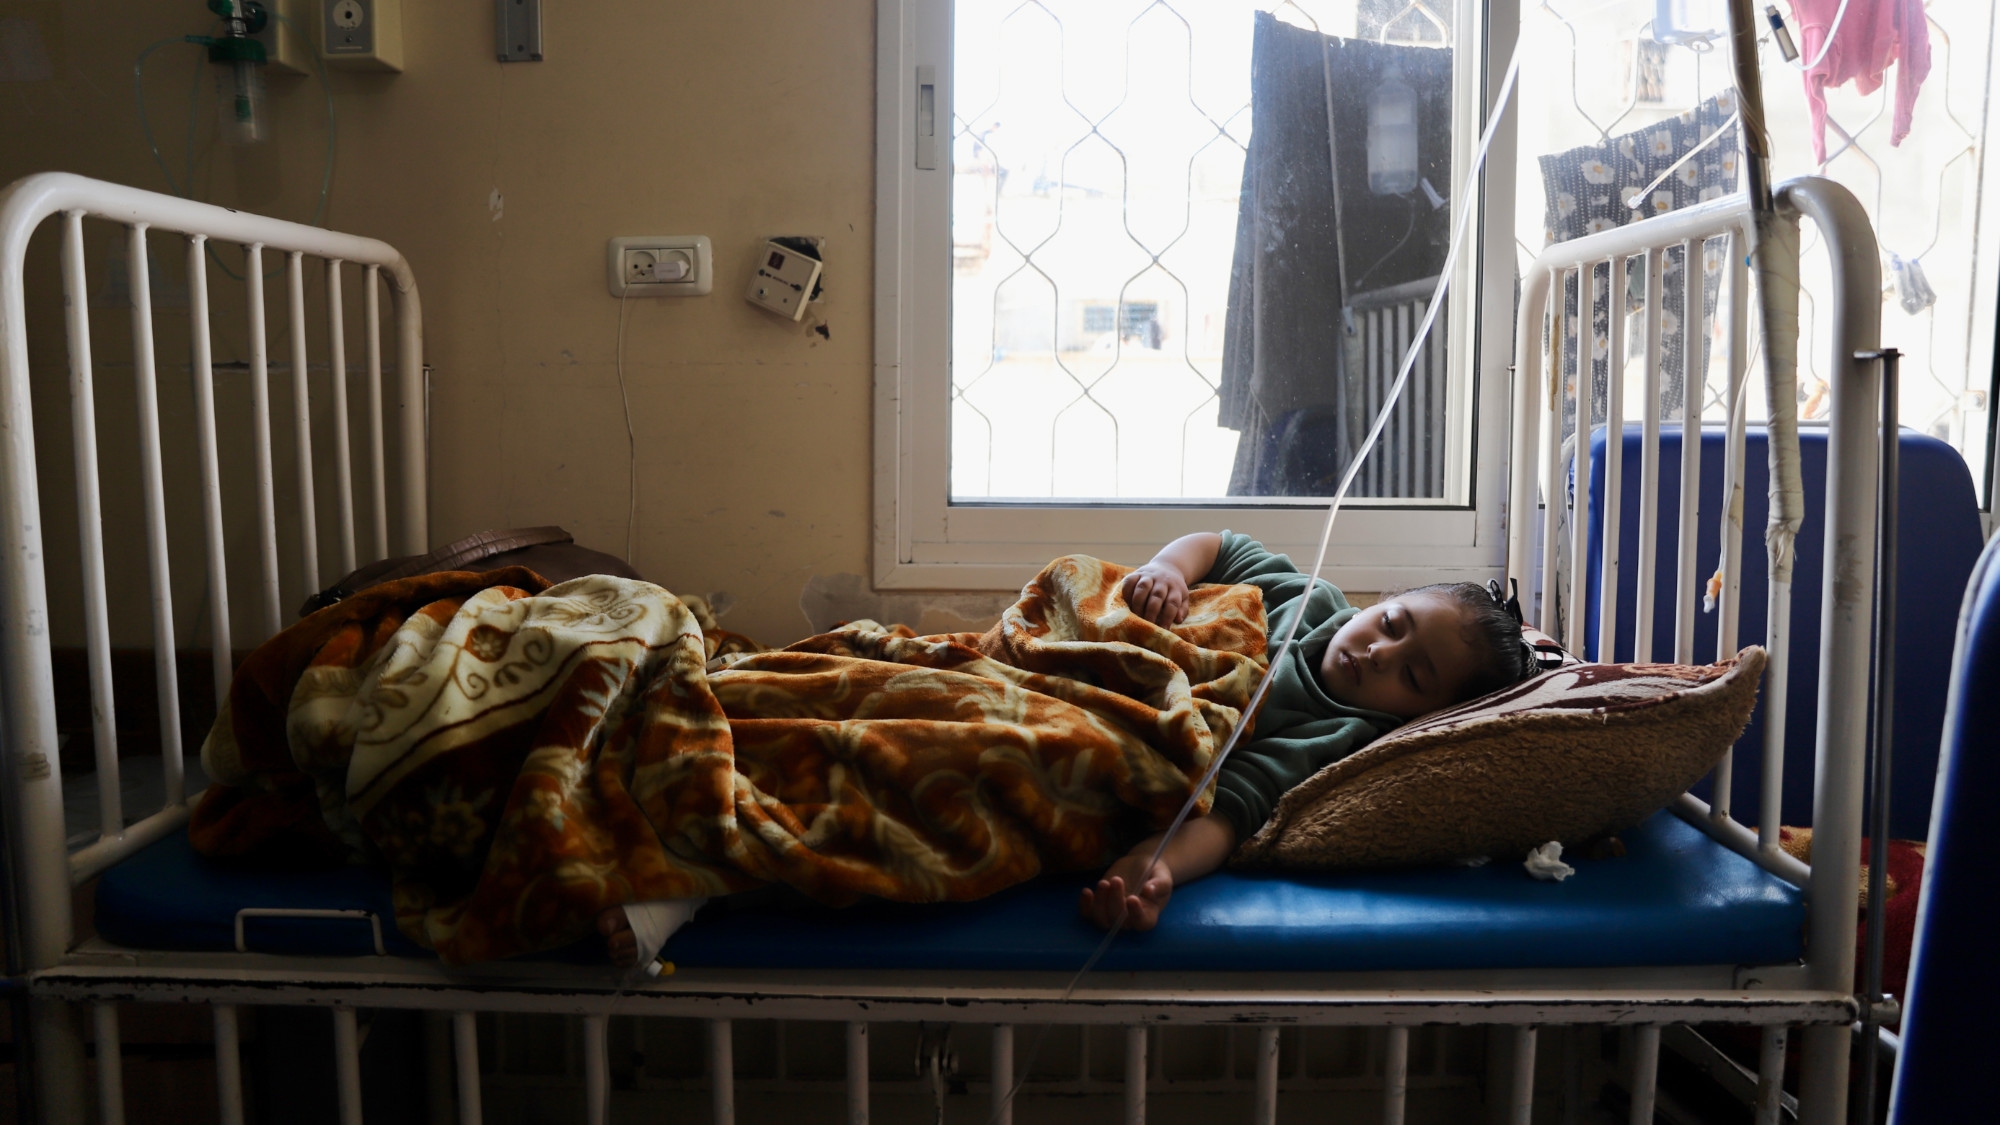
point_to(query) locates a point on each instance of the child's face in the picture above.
(1407, 656)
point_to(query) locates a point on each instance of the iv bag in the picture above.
(1392, 135)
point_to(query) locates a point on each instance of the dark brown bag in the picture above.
(548, 551)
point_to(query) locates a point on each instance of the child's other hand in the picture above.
(1157, 592)
(1127, 890)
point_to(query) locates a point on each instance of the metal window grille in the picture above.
(1098, 159)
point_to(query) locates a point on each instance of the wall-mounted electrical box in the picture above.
(659, 265)
(517, 30)
(784, 280)
(288, 48)
(362, 34)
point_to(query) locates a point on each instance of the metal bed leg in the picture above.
(1003, 1074)
(110, 1066)
(1771, 1075)
(1645, 1071)
(1135, 1075)
(722, 1072)
(1395, 1075)
(596, 1070)
(58, 1072)
(1267, 1076)
(1521, 1088)
(857, 1074)
(347, 1064)
(228, 1066)
(465, 1051)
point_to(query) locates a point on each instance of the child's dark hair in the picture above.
(1494, 630)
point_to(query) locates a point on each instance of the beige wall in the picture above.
(738, 119)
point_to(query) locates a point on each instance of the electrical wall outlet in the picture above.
(362, 34)
(784, 280)
(659, 265)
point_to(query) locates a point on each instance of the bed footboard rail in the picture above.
(42, 868)
(1558, 351)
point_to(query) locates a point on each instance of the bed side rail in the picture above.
(41, 874)
(1546, 460)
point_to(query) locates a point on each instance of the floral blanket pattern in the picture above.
(524, 757)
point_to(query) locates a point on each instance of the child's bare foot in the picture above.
(619, 940)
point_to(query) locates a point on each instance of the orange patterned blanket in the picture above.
(524, 757)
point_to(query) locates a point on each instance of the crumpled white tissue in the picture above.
(1546, 863)
(654, 922)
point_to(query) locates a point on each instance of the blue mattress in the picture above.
(1674, 898)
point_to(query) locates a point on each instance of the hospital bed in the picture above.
(1703, 921)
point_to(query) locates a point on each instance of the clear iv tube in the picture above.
(1460, 228)
(1340, 495)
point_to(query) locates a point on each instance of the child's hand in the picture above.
(1129, 891)
(1157, 592)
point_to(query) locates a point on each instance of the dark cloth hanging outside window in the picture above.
(1311, 237)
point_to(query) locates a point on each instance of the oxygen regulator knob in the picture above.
(245, 17)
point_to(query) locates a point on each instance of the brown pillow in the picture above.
(1568, 755)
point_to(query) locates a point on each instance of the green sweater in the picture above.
(1301, 728)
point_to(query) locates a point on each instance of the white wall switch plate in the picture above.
(362, 34)
(659, 265)
(783, 281)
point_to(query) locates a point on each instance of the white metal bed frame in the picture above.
(61, 974)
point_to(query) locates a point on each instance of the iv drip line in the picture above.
(1283, 649)
(1339, 497)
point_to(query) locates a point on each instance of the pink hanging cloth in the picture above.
(1873, 35)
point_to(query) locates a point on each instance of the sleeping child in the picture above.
(1350, 676)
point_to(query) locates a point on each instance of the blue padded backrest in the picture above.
(1941, 1071)
(1938, 537)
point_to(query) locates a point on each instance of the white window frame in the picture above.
(923, 541)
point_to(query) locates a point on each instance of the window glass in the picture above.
(1629, 92)
(1190, 243)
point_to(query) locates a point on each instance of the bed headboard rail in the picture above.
(1552, 472)
(36, 835)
